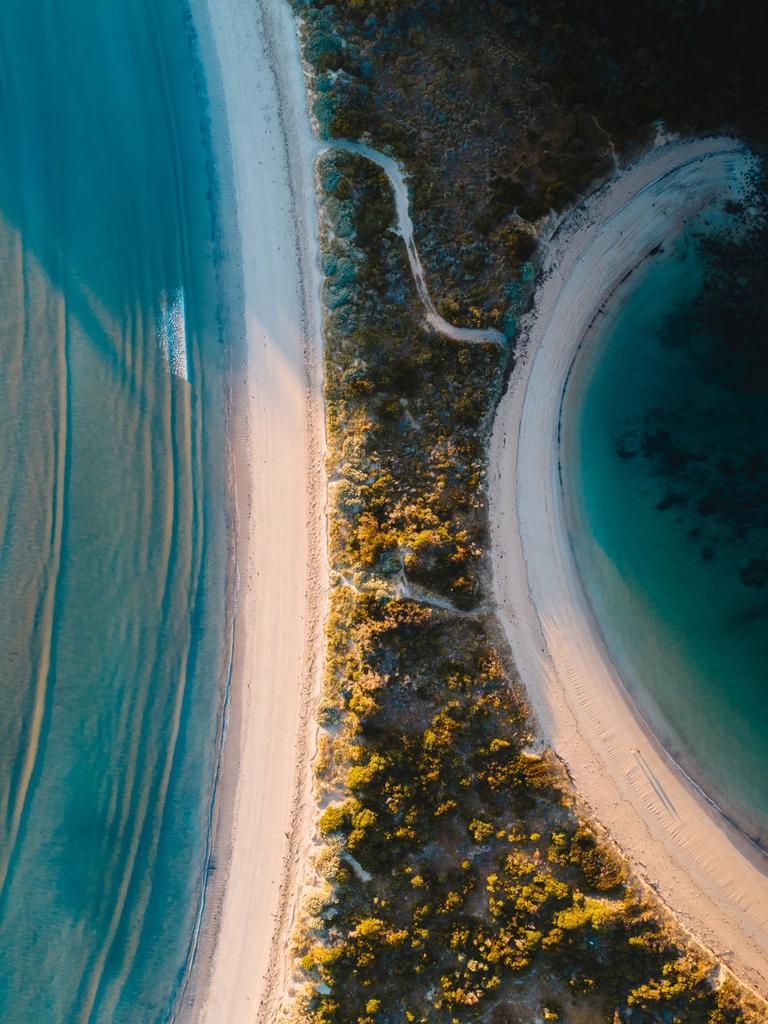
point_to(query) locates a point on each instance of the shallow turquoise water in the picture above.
(112, 509)
(662, 451)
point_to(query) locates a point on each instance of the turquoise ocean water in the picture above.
(112, 508)
(665, 476)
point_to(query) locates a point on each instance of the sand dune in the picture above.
(708, 874)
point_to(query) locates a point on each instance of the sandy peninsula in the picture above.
(707, 873)
(264, 155)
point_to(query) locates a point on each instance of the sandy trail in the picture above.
(399, 186)
(705, 871)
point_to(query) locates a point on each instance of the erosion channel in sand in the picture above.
(708, 873)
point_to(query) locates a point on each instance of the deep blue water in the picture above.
(112, 508)
(666, 469)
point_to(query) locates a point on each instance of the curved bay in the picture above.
(666, 455)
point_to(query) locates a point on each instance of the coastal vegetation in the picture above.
(456, 877)
(512, 111)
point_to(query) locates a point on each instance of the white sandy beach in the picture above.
(265, 155)
(707, 873)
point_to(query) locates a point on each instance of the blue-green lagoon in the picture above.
(113, 563)
(665, 464)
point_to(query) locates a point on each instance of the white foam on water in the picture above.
(172, 333)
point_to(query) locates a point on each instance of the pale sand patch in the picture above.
(265, 166)
(707, 873)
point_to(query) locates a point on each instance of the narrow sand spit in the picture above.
(264, 154)
(708, 874)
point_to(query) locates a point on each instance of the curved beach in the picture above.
(265, 165)
(709, 875)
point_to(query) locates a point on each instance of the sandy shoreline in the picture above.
(704, 870)
(265, 152)
(264, 156)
